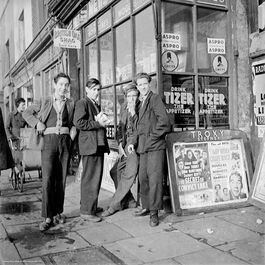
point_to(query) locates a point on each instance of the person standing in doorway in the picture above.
(53, 118)
(93, 143)
(149, 142)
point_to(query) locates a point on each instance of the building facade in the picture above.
(197, 51)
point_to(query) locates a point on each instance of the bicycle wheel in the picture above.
(13, 179)
(20, 177)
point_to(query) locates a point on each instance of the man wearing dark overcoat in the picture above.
(93, 143)
(149, 141)
(53, 118)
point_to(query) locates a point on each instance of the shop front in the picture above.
(189, 47)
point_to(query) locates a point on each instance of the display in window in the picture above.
(213, 101)
(220, 64)
(216, 45)
(171, 41)
(170, 61)
(179, 99)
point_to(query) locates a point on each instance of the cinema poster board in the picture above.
(257, 191)
(208, 169)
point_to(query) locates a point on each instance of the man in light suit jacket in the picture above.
(92, 145)
(149, 142)
(53, 118)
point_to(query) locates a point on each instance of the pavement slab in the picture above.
(34, 261)
(209, 256)
(128, 257)
(163, 262)
(9, 254)
(252, 251)
(247, 220)
(163, 245)
(214, 231)
(102, 233)
(30, 242)
(138, 226)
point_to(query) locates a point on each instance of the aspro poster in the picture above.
(258, 74)
(210, 173)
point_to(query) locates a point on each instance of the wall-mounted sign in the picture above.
(170, 61)
(208, 169)
(220, 64)
(67, 38)
(171, 41)
(258, 74)
(214, 2)
(215, 45)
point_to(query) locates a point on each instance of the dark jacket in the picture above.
(89, 129)
(41, 110)
(152, 126)
(6, 160)
(14, 122)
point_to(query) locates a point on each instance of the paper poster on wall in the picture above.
(258, 75)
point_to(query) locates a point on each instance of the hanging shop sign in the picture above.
(216, 46)
(257, 194)
(171, 41)
(258, 74)
(170, 61)
(67, 38)
(214, 2)
(208, 169)
(220, 64)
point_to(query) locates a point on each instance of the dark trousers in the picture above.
(151, 175)
(127, 169)
(91, 182)
(54, 158)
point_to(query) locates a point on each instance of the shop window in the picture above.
(177, 38)
(92, 58)
(139, 3)
(90, 31)
(106, 69)
(123, 60)
(107, 106)
(179, 99)
(120, 95)
(213, 102)
(145, 43)
(104, 22)
(121, 10)
(211, 41)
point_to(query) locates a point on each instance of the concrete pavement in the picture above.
(234, 236)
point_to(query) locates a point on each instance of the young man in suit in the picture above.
(149, 142)
(53, 118)
(92, 145)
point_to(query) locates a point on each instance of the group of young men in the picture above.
(141, 137)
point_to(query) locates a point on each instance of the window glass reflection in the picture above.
(106, 71)
(120, 92)
(213, 102)
(123, 52)
(177, 53)
(91, 55)
(145, 44)
(211, 40)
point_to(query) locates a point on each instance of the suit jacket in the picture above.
(14, 122)
(152, 126)
(41, 109)
(89, 128)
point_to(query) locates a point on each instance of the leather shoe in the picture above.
(154, 221)
(142, 212)
(99, 210)
(90, 218)
(108, 212)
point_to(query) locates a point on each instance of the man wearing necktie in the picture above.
(93, 143)
(53, 118)
(149, 143)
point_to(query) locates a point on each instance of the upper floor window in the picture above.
(21, 33)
